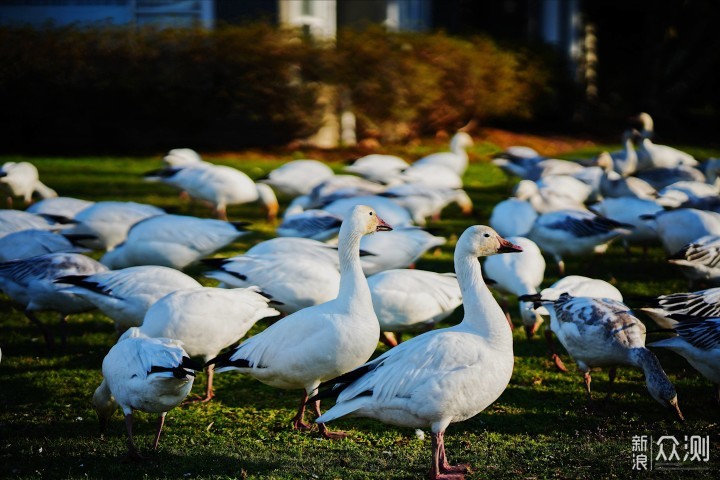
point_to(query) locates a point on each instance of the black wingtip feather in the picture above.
(224, 360)
(82, 281)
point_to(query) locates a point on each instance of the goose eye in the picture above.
(487, 235)
(371, 214)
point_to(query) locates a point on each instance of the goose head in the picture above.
(461, 140)
(365, 220)
(104, 404)
(657, 382)
(483, 241)
(526, 189)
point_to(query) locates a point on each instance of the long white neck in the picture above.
(353, 284)
(482, 312)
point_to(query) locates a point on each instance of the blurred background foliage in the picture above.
(116, 89)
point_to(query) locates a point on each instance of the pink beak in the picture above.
(507, 247)
(382, 226)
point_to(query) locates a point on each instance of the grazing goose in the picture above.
(182, 157)
(21, 179)
(456, 159)
(313, 224)
(602, 332)
(701, 304)
(651, 155)
(700, 259)
(16, 221)
(628, 210)
(174, 241)
(219, 185)
(397, 249)
(677, 228)
(575, 233)
(206, 320)
(698, 341)
(424, 201)
(110, 222)
(412, 300)
(152, 375)
(575, 286)
(298, 177)
(686, 193)
(30, 243)
(561, 193)
(513, 218)
(397, 215)
(30, 283)
(66, 207)
(518, 275)
(278, 274)
(321, 342)
(442, 376)
(126, 295)
(378, 168)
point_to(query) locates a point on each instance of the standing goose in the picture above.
(442, 376)
(601, 332)
(378, 168)
(698, 340)
(651, 155)
(701, 304)
(321, 342)
(298, 177)
(152, 375)
(126, 295)
(206, 320)
(21, 179)
(456, 159)
(677, 228)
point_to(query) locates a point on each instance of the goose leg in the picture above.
(612, 374)
(553, 351)
(336, 435)
(133, 451)
(209, 394)
(221, 212)
(298, 423)
(440, 468)
(389, 339)
(160, 423)
(49, 340)
(587, 379)
(561, 265)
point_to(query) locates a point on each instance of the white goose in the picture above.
(321, 342)
(66, 207)
(424, 201)
(685, 193)
(571, 193)
(30, 243)
(277, 275)
(518, 275)
(625, 161)
(30, 283)
(21, 179)
(701, 304)
(152, 375)
(442, 376)
(297, 246)
(699, 260)
(182, 157)
(298, 177)
(602, 332)
(110, 221)
(677, 228)
(219, 185)
(456, 159)
(397, 215)
(629, 210)
(513, 218)
(412, 300)
(434, 175)
(174, 241)
(126, 295)
(698, 341)
(614, 185)
(651, 155)
(378, 168)
(313, 224)
(338, 187)
(206, 320)
(397, 249)
(575, 233)
(16, 220)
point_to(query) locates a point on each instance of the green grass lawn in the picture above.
(538, 428)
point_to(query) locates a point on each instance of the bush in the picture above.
(120, 89)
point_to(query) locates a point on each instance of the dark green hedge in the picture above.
(112, 89)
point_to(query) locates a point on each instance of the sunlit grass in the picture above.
(539, 428)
